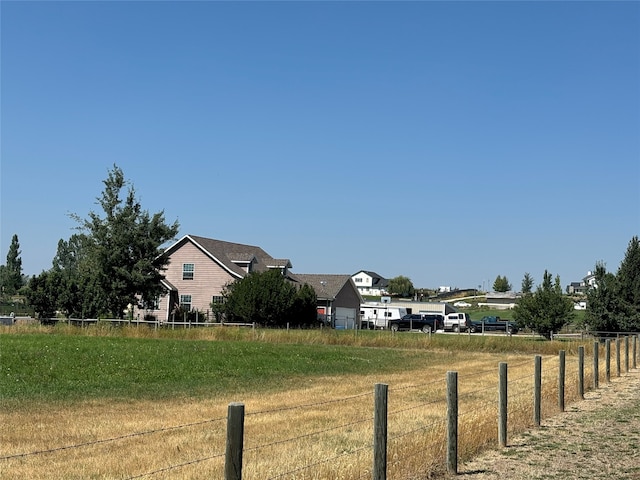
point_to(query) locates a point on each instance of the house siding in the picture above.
(209, 278)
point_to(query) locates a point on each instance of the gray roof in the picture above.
(377, 280)
(326, 286)
(230, 255)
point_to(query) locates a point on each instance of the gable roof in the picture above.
(232, 256)
(325, 286)
(376, 280)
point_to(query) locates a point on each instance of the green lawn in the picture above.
(54, 367)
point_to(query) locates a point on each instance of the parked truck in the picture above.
(424, 322)
(457, 322)
(492, 323)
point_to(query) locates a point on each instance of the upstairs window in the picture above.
(217, 299)
(187, 271)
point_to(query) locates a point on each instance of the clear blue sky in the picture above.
(450, 142)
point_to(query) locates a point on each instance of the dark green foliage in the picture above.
(401, 286)
(268, 299)
(604, 309)
(527, 283)
(613, 304)
(124, 254)
(11, 273)
(546, 310)
(628, 278)
(42, 294)
(304, 310)
(501, 284)
(115, 263)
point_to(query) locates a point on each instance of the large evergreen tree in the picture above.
(501, 284)
(11, 273)
(628, 277)
(613, 302)
(124, 260)
(604, 309)
(546, 310)
(527, 283)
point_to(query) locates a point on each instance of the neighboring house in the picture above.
(199, 268)
(581, 288)
(338, 298)
(370, 283)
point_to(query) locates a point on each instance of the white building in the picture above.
(370, 283)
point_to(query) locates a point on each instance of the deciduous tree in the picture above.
(268, 299)
(401, 286)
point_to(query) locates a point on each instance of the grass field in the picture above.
(64, 386)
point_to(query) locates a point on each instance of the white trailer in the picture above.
(376, 316)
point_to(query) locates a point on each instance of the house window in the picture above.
(187, 271)
(153, 304)
(217, 299)
(185, 302)
(358, 280)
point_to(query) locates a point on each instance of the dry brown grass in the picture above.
(328, 435)
(321, 429)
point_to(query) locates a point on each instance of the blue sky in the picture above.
(450, 142)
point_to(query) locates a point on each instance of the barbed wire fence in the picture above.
(546, 374)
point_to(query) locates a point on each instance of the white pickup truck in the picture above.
(457, 322)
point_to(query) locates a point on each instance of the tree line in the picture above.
(117, 260)
(613, 300)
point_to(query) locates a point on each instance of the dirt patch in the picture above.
(596, 438)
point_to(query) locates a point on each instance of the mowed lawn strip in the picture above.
(39, 367)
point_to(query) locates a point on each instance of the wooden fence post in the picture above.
(452, 422)
(537, 390)
(502, 405)
(626, 353)
(618, 356)
(235, 440)
(561, 375)
(635, 351)
(380, 432)
(607, 361)
(596, 365)
(581, 372)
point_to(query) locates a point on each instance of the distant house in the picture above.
(500, 300)
(338, 298)
(200, 267)
(370, 283)
(581, 288)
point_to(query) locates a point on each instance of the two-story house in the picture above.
(199, 268)
(370, 283)
(581, 288)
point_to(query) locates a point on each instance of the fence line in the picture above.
(541, 372)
